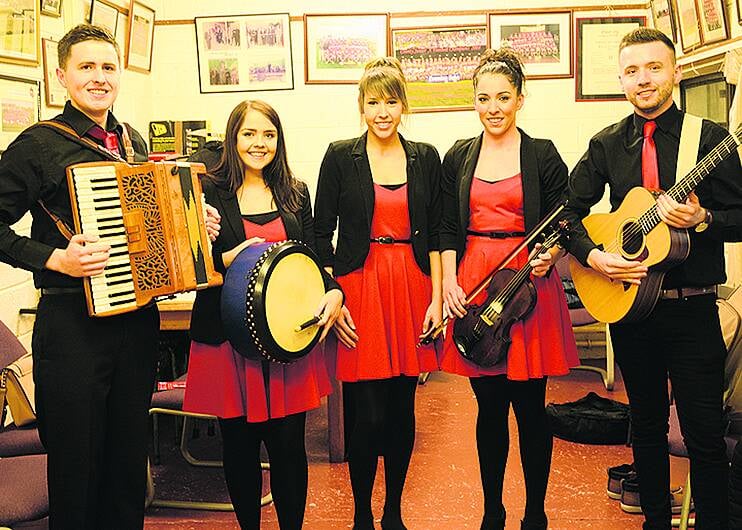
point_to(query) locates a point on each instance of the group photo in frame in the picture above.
(688, 25)
(713, 21)
(543, 40)
(336, 47)
(141, 32)
(53, 8)
(243, 53)
(20, 40)
(438, 63)
(20, 107)
(597, 79)
(55, 94)
(663, 18)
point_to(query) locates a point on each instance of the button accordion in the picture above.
(153, 218)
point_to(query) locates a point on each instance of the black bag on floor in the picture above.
(590, 420)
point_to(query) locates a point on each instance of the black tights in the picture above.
(384, 425)
(284, 441)
(494, 396)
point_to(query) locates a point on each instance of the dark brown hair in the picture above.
(644, 35)
(503, 61)
(383, 76)
(82, 33)
(277, 174)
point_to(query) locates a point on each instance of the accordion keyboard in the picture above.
(99, 204)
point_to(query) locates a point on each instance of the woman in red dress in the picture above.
(496, 187)
(259, 200)
(383, 193)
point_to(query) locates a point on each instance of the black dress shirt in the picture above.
(614, 158)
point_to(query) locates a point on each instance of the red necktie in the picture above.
(110, 141)
(650, 173)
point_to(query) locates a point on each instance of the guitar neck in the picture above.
(681, 189)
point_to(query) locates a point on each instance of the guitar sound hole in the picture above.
(632, 239)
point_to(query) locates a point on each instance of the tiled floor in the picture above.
(443, 489)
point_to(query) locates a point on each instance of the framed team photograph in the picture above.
(141, 32)
(689, 25)
(20, 40)
(244, 53)
(438, 63)
(337, 46)
(663, 18)
(597, 79)
(20, 107)
(543, 40)
(713, 21)
(53, 8)
(55, 94)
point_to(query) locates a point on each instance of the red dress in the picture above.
(223, 383)
(543, 344)
(387, 299)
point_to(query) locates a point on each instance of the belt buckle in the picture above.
(386, 240)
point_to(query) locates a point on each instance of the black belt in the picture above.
(388, 240)
(684, 292)
(495, 235)
(45, 291)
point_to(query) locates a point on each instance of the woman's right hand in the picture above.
(345, 329)
(454, 298)
(229, 256)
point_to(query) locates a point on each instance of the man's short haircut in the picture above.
(82, 33)
(643, 35)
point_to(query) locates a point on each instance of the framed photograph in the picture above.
(54, 92)
(542, 39)
(20, 40)
(104, 16)
(244, 53)
(597, 79)
(664, 18)
(53, 8)
(141, 32)
(688, 25)
(713, 21)
(438, 64)
(337, 46)
(20, 107)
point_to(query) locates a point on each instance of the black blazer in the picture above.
(543, 174)
(206, 319)
(345, 198)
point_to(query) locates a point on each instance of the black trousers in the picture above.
(680, 339)
(94, 379)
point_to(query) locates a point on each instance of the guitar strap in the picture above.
(690, 141)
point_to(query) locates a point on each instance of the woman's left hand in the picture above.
(329, 310)
(213, 220)
(433, 315)
(541, 263)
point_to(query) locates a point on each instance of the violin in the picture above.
(482, 336)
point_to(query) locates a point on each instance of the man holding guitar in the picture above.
(674, 244)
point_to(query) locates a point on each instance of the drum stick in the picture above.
(311, 322)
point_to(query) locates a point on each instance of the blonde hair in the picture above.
(383, 76)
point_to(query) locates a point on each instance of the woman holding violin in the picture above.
(496, 187)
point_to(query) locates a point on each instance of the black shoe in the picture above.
(493, 522)
(615, 475)
(363, 524)
(392, 523)
(631, 502)
(530, 522)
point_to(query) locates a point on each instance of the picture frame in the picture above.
(739, 12)
(140, 36)
(244, 53)
(105, 16)
(55, 94)
(713, 21)
(663, 18)
(20, 106)
(53, 8)
(336, 46)
(20, 43)
(438, 63)
(542, 39)
(689, 25)
(598, 80)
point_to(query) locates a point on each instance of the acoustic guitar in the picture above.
(636, 232)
